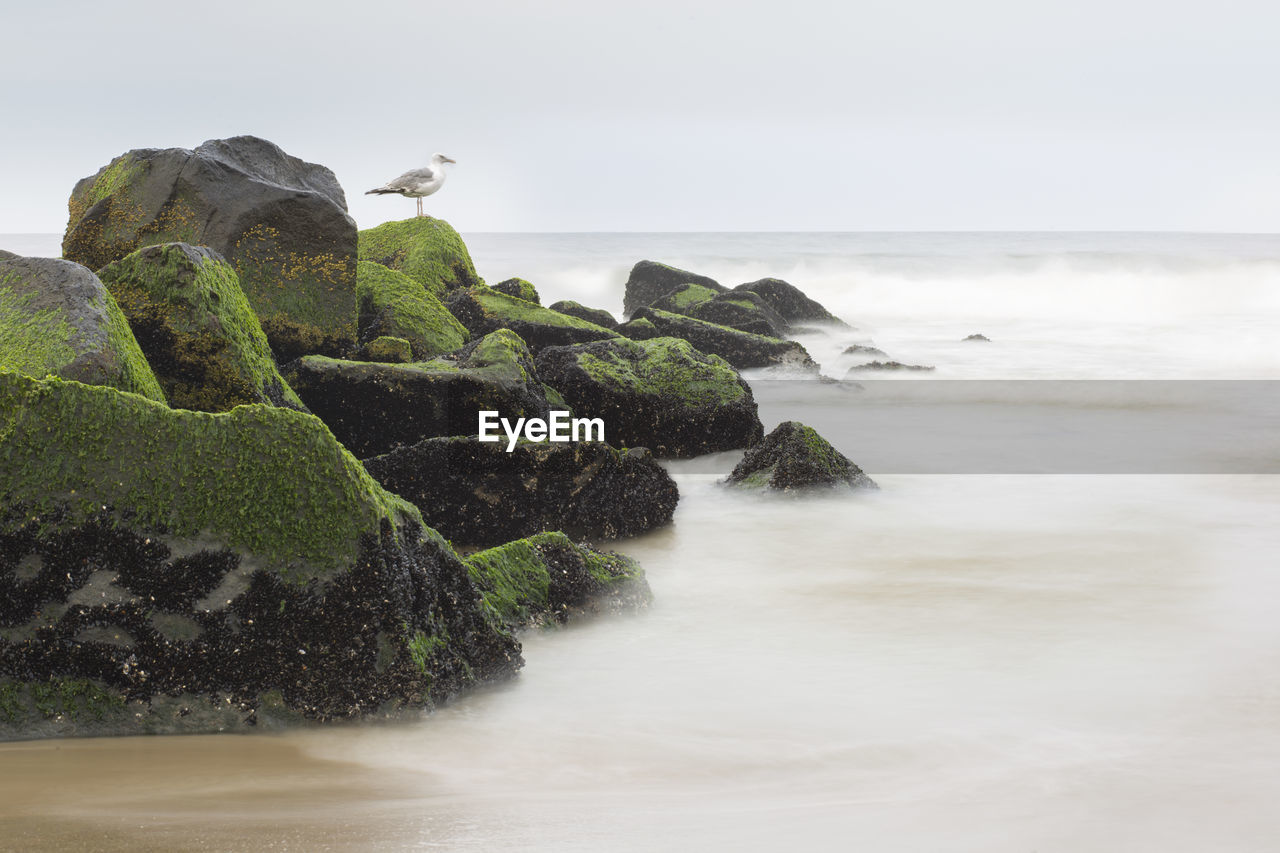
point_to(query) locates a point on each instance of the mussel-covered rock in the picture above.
(483, 310)
(793, 457)
(649, 281)
(741, 349)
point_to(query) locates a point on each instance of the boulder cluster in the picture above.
(241, 482)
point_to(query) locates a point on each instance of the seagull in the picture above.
(417, 182)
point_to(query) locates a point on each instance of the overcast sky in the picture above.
(673, 116)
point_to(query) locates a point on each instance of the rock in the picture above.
(599, 316)
(520, 289)
(790, 302)
(741, 349)
(650, 281)
(639, 330)
(57, 318)
(7, 255)
(374, 408)
(392, 304)
(978, 337)
(862, 349)
(886, 366)
(426, 249)
(661, 394)
(280, 222)
(684, 298)
(196, 328)
(744, 311)
(163, 570)
(475, 493)
(547, 578)
(483, 310)
(794, 456)
(385, 351)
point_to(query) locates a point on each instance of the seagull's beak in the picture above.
(448, 160)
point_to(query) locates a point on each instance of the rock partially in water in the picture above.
(476, 493)
(790, 302)
(741, 349)
(685, 298)
(661, 394)
(978, 337)
(649, 281)
(863, 349)
(426, 249)
(886, 366)
(196, 328)
(57, 318)
(391, 304)
(794, 457)
(599, 316)
(483, 310)
(281, 223)
(520, 289)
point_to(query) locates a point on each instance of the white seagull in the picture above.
(418, 182)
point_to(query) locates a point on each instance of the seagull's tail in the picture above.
(382, 191)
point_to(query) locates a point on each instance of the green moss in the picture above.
(510, 309)
(32, 342)
(73, 699)
(426, 249)
(665, 366)
(135, 373)
(686, 297)
(271, 482)
(387, 350)
(695, 323)
(513, 579)
(520, 289)
(198, 329)
(395, 304)
(423, 649)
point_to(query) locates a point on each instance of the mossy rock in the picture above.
(599, 316)
(58, 319)
(794, 457)
(196, 328)
(639, 330)
(741, 349)
(385, 350)
(393, 304)
(547, 578)
(280, 222)
(483, 310)
(886, 367)
(426, 249)
(374, 408)
(790, 302)
(520, 289)
(744, 311)
(649, 281)
(864, 349)
(685, 298)
(661, 394)
(476, 493)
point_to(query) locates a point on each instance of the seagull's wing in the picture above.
(412, 179)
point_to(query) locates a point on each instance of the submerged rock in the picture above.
(547, 578)
(661, 394)
(426, 249)
(741, 349)
(790, 302)
(520, 289)
(599, 316)
(978, 337)
(887, 366)
(483, 310)
(164, 570)
(391, 304)
(373, 408)
(863, 349)
(281, 223)
(649, 281)
(196, 328)
(794, 456)
(476, 493)
(57, 318)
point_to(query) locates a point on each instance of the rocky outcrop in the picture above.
(476, 493)
(385, 350)
(684, 298)
(650, 281)
(391, 304)
(57, 318)
(426, 249)
(547, 578)
(744, 311)
(790, 302)
(661, 394)
(164, 570)
(281, 223)
(196, 329)
(887, 367)
(794, 457)
(599, 316)
(483, 310)
(741, 349)
(520, 289)
(863, 349)
(373, 408)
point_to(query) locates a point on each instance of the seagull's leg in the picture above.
(419, 200)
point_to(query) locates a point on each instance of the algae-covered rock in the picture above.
(374, 408)
(599, 316)
(483, 310)
(684, 298)
(476, 493)
(196, 328)
(166, 570)
(520, 289)
(426, 249)
(790, 302)
(649, 281)
(744, 311)
(57, 318)
(281, 223)
(793, 457)
(547, 578)
(395, 305)
(6, 255)
(661, 394)
(639, 330)
(740, 349)
(385, 350)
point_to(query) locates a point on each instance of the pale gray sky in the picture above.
(668, 116)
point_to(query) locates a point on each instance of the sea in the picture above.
(1053, 627)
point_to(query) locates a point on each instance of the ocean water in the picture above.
(958, 662)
